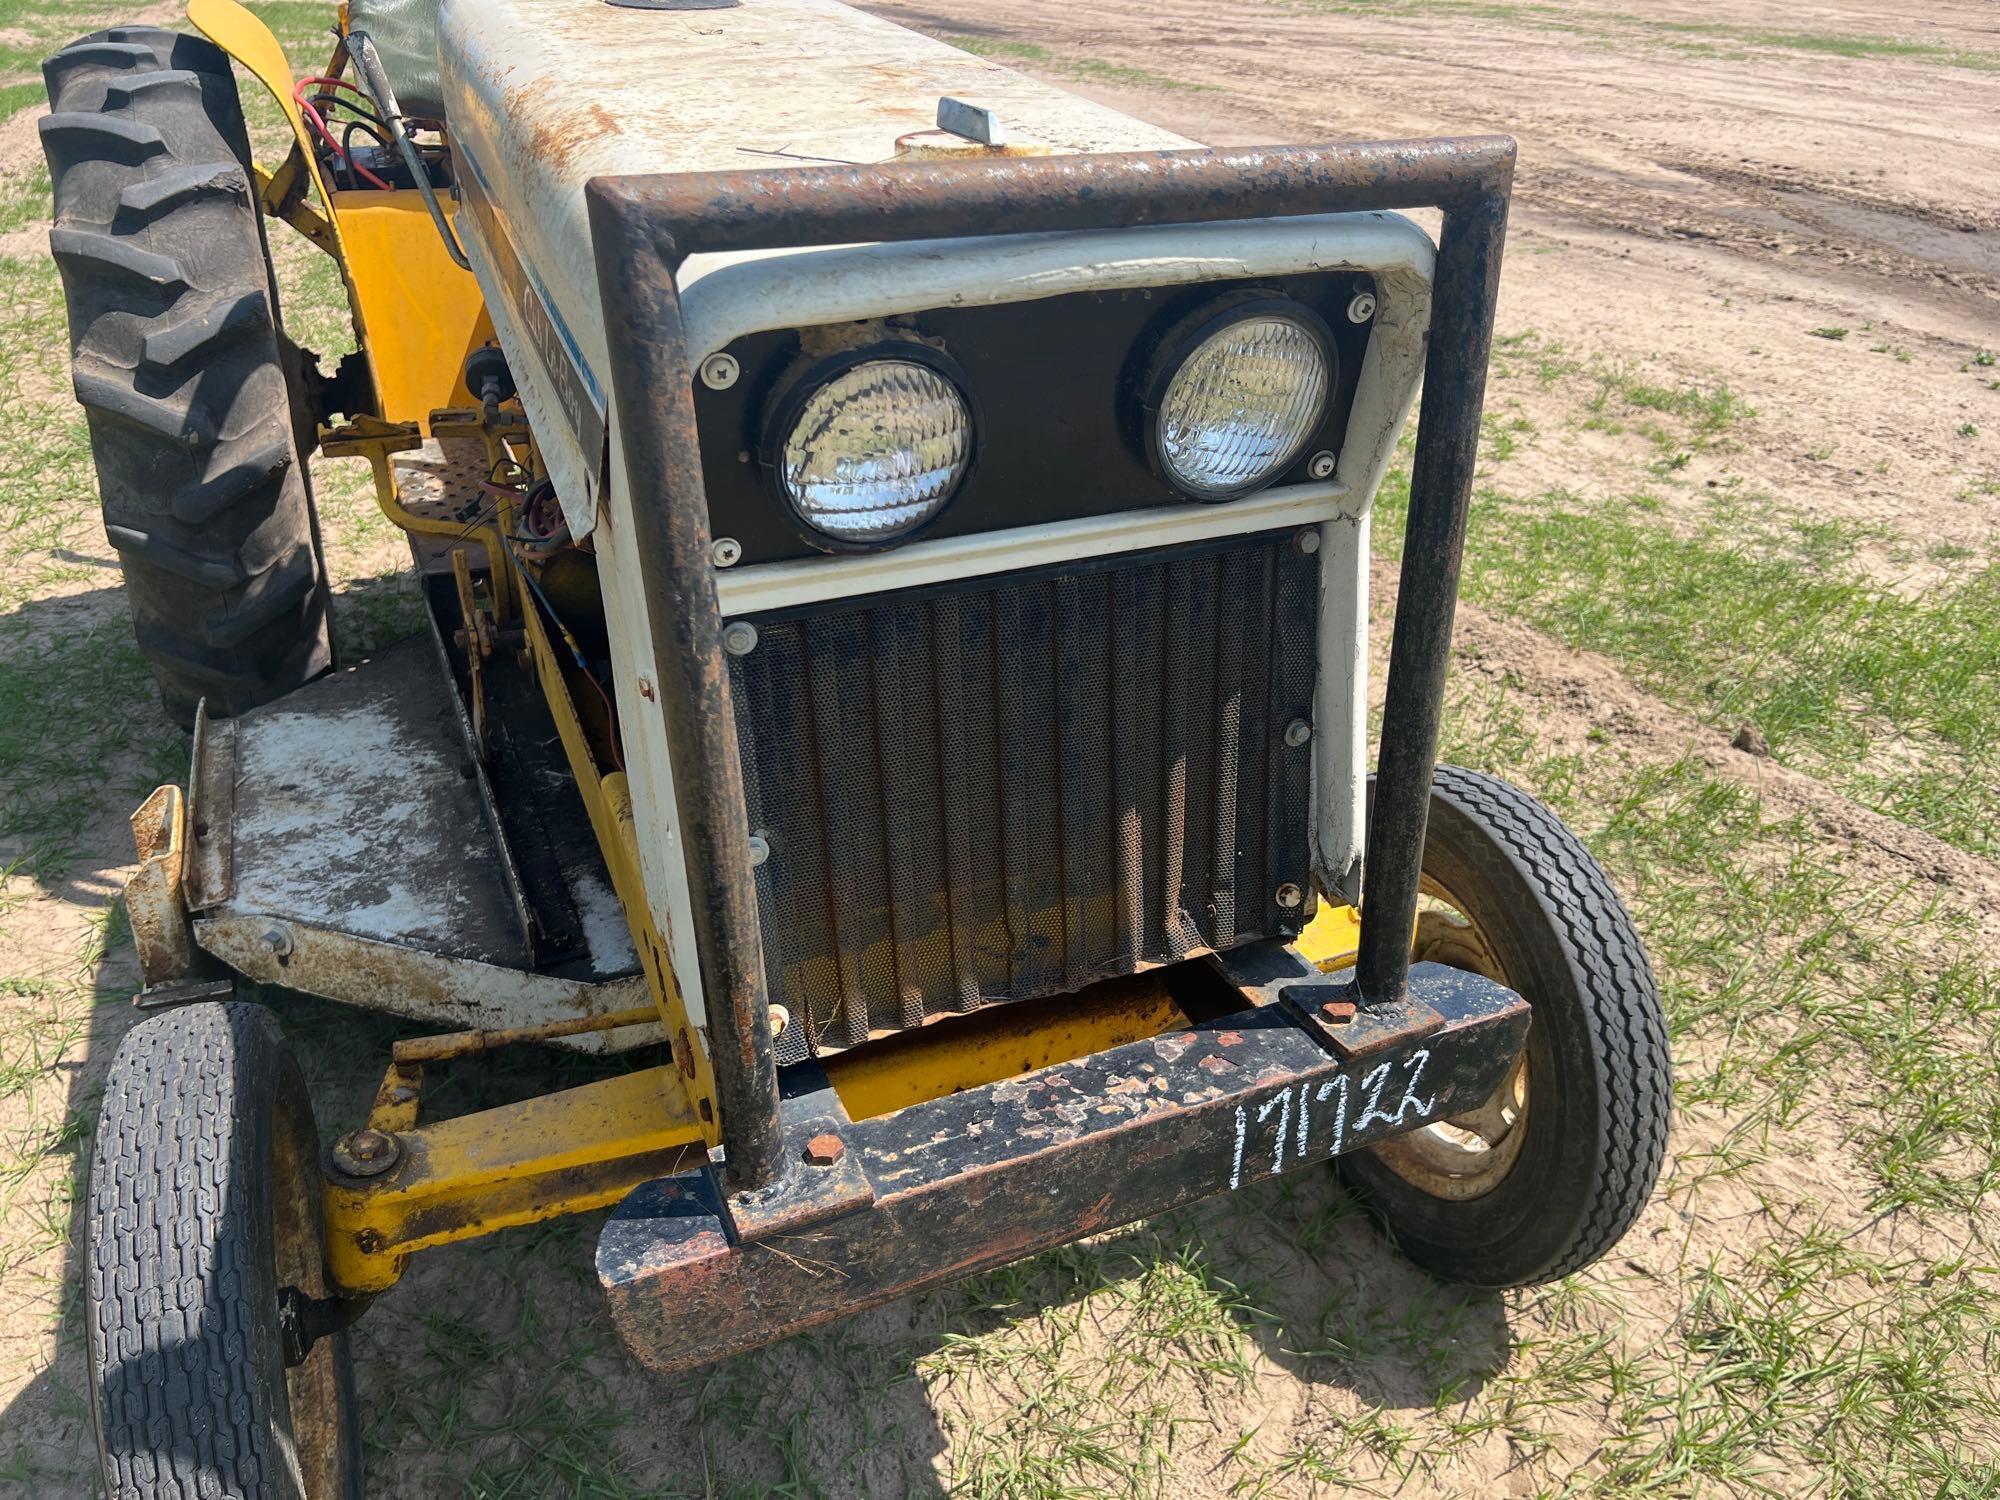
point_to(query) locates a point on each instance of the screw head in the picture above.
(1337, 1012)
(1362, 308)
(719, 371)
(739, 638)
(1322, 464)
(760, 849)
(1309, 541)
(1290, 895)
(366, 1153)
(727, 552)
(1297, 733)
(825, 1150)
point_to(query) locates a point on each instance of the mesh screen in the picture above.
(1011, 787)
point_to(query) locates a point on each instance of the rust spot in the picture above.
(557, 136)
(1230, 1039)
(1216, 1065)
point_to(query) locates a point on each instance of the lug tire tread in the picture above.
(180, 365)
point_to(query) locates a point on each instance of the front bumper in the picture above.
(960, 1184)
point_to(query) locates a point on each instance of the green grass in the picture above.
(1744, 617)
(1084, 69)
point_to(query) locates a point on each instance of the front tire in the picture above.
(204, 1206)
(1551, 1172)
(178, 362)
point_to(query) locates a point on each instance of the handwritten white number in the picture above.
(1236, 1167)
(1283, 1104)
(1338, 1081)
(1410, 1100)
(1372, 1110)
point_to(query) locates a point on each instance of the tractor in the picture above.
(893, 539)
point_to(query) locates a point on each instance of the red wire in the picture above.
(313, 118)
(336, 83)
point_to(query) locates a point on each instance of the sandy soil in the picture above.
(1680, 216)
(1692, 206)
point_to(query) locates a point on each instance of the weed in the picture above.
(1829, 333)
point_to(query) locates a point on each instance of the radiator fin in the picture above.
(1011, 787)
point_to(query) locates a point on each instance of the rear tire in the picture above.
(1571, 1151)
(204, 1206)
(177, 360)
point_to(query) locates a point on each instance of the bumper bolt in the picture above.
(278, 939)
(366, 1153)
(1308, 541)
(727, 552)
(739, 638)
(825, 1150)
(1322, 464)
(1362, 308)
(1290, 895)
(719, 371)
(1337, 1012)
(1297, 733)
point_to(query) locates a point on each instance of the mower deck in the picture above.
(348, 844)
(874, 1210)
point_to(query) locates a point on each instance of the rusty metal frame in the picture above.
(643, 230)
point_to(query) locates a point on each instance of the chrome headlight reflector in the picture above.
(876, 450)
(1242, 401)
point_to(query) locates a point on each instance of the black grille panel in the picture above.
(1010, 787)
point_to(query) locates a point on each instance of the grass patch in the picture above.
(1083, 69)
(1743, 617)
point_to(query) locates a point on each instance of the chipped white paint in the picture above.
(606, 935)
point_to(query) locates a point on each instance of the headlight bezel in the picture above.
(1177, 340)
(809, 375)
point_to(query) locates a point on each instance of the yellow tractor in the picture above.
(894, 541)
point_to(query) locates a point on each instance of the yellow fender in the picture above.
(415, 313)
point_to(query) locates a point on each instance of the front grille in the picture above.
(1009, 787)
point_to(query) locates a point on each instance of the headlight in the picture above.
(876, 450)
(1241, 403)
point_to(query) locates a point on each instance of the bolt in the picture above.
(1309, 541)
(1337, 1012)
(1289, 895)
(1362, 308)
(278, 940)
(1297, 733)
(646, 687)
(719, 371)
(1321, 465)
(366, 1153)
(825, 1150)
(402, 1094)
(780, 1019)
(760, 849)
(727, 552)
(739, 638)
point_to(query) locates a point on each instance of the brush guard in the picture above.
(868, 1211)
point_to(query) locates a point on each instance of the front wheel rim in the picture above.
(1469, 1154)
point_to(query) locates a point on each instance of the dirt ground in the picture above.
(1749, 259)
